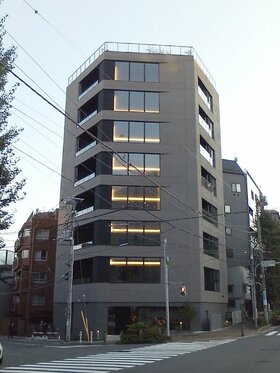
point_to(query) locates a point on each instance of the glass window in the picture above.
(119, 167)
(135, 197)
(228, 231)
(39, 277)
(118, 233)
(37, 300)
(26, 232)
(122, 71)
(25, 254)
(152, 198)
(135, 233)
(152, 167)
(40, 255)
(211, 279)
(151, 72)
(152, 233)
(151, 102)
(136, 163)
(151, 132)
(136, 101)
(42, 234)
(121, 101)
(120, 133)
(136, 72)
(227, 209)
(119, 197)
(136, 132)
(236, 187)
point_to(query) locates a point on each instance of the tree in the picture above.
(10, 186)
(270, 230)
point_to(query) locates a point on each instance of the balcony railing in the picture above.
(142, 48)
(84, 179)
(81, 151)
(88, 89)
(212, 218)
(211, 186)
(206, 126)
(204, 98)
(87, 118)
(84, 211)
(206, 155)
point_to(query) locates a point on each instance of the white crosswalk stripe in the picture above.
(115, 361)
(273, 333)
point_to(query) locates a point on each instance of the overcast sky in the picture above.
(237, 40)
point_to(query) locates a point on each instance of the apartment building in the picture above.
(142, 159)
(241, 194)
(34, 269)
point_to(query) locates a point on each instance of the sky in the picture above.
(238, 41)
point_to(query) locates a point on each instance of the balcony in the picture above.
(86, 119)
(84, 179)
(84, 211)
(209, 212)
(83, 150)
(206, 155)
(88, 90)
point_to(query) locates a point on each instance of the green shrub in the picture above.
(143, 333)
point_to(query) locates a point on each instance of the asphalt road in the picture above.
(259, 354)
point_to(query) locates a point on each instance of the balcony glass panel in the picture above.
(136, 132)
(137, 102)
(152, 166)
(136, 72)
(151, 132)
(151, 72)
(120, 133)
(136, 161)
(151, 102)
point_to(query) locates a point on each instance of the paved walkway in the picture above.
(234, 331)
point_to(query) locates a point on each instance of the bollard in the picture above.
(97, 332)
(81, 336)
(91, 337)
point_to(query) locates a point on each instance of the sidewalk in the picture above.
(228, 332)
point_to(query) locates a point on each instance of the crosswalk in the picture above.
(274, 332)
(115, 361)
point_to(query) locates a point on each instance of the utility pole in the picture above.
(264, 295)
(253, 284)
(166, 289)
(69, 205)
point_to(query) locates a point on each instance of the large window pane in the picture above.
(121, 101)
(120, 131)
(152, 167)
(135, 197)
(152, 198)
(122, 71)
(119, 197)
(135, 233)
(118, 233)
(151, 72)
(152, 233)
(136, 163)
(136, 132)
(151, 102)
(136, 101)
(119, 167)
(151, 132)
(136, 72)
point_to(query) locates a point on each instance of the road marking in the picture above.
(115, 361)
(271, 333)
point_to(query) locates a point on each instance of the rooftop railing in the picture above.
(142, 48)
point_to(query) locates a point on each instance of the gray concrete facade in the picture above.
(191, 194)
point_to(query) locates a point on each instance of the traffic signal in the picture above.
(183, 290)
